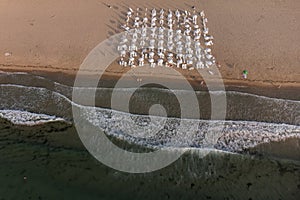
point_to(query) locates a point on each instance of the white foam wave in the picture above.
(25, 118)
(235, 136)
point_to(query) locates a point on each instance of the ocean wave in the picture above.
(240, 106)
(232, 136)
(43, 103)
(25, 118)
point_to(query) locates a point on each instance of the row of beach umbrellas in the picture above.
(166, 38)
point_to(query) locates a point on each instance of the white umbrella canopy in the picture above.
(179, 50)
(170, 46)
(209, 56)
(208, 63)
(153, 29)
(202, 14)
(199, 65)
(152, 42)
(151, 61)
(162, 11)
(132, 47)
(161, 30)
(160, 37)
(153, 12)
(124, 47)
(170, 14)
(189, 55)
(161, 55)
(124, 40)
(153, 36)
(170, 54)
(151, 54)
(122, 53)
(179, 43)
(170, 33)
(195, 19)
(144, 35)
(135, 35)
(197, 31)
(197, 37)
(208, 37)
(133, 54)
(141, 62)
(209, 43)
(170, 42)
(189, 51)
(188, 38)
(160, 62)
(179, 56)
(160, 43)
(133, 41)
(205, 30)
(190, 62)
(198, 51)
(187, 45)
(142, 43)
(207, 50)
(178, 37)
(151, 47)
(170, 21)
(170, 60)
(187, 31)
(153, 20)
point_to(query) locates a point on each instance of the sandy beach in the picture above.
(56, 36)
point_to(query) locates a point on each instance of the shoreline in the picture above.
(274, 89)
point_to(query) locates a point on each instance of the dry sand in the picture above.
(262, 36)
